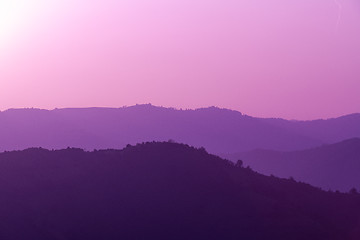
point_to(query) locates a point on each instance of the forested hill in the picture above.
(161, 191)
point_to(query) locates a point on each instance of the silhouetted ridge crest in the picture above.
(161, 190)
(218, 130)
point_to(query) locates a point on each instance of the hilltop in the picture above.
(161, 191)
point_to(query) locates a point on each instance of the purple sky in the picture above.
(272, 58)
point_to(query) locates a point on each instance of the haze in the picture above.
(266, 58)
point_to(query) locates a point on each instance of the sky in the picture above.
(295, 59)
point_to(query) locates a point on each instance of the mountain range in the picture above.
(218, 130)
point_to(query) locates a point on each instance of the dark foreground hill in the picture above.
(335, 166)
(161, 191)
(218, 130)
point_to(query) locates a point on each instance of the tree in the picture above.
(353, 191)
(239, 163)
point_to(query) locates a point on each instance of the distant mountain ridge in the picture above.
(330, 130)
(334, 166)
(218, 130)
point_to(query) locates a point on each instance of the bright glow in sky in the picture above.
(274, 58)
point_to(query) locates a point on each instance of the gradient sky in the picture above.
(297, 59)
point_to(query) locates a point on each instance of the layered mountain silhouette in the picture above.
(161, 191)
(218, 130)
(335, 166)
(330, 130)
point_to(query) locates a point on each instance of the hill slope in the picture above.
(218, 130)
(328, 130)
(335, 166)
(160, 191)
